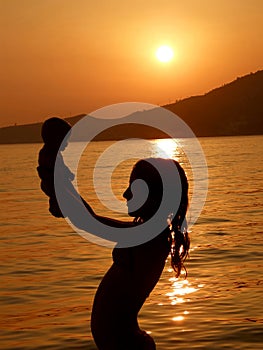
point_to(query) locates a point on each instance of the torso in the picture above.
(125, 287)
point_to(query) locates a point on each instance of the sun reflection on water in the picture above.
(180, 288)
(166, 148)
(179, 294)
(178, 318)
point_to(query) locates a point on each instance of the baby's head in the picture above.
(54, 131)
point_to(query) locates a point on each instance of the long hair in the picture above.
(178, 236)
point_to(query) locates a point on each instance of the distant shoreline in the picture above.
(151, 139)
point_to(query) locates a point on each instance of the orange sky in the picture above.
(64, 57)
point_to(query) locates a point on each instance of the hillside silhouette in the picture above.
(235, 108)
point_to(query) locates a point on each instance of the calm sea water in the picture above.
(49, 274)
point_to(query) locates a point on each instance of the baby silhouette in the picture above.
(54, 131)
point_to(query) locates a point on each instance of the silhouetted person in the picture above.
(135, 270)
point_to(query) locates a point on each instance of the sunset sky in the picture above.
(65, 57)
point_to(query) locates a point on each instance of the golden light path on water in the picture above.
(180, 288)
(179, 293)
(167, 148)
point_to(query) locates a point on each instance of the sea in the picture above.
(50, 273)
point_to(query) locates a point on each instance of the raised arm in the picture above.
(76, 206)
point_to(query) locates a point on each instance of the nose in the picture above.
(127, 194)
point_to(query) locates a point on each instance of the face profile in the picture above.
(144, 193)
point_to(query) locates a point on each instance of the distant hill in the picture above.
(232, 109)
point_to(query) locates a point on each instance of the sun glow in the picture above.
(166, 148)
(164, 53)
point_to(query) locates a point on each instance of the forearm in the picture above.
(78, 202)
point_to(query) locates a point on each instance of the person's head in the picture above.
(145, 197)
(54, 131)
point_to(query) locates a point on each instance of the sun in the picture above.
(164, 53)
